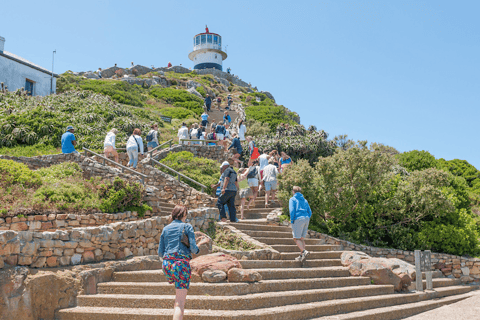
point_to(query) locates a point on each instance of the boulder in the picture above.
(242, 275)
(214, 276)
(195, 92)
(139, 70)
(396, 272)
(91, 75)
(193, 84)
(269, 95)
(214, 261)
(205, 248)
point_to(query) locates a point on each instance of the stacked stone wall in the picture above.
(91, 244)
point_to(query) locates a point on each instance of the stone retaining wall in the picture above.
(467, 269)
(91, 244)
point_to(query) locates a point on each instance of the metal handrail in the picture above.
(142, 176)
(157, 147)
(179, 174)
(204, 142)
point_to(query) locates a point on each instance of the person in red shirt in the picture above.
(169, 64)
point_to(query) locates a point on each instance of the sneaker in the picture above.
(304, 255)
(299, 258)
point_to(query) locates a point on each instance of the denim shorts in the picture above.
(270, 185)
(300, 227)
(152, 144)
(252, 182)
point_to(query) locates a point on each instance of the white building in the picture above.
(16, 73)
(207, 51)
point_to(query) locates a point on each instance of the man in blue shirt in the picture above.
(68, 141)
(208, 102)
(300, 214)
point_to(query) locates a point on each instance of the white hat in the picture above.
(225, 163)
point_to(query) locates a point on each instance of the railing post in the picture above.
(86, 153)
(418, 271)
(428, 270)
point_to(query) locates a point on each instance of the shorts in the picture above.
(270, 185)
(252, 182)
(204, 123)
(152, 144)
(300, 227)
(108, 149)
(220, 136)
(176, 268)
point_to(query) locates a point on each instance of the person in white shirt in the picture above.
(183, 133)
(242, 129)
(194, 133)
(270, 174)
(134, 146)
(109, 144)
(263, 162)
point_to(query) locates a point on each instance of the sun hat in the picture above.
(225, 163)
(70, 128)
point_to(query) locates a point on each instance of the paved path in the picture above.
(468, 309)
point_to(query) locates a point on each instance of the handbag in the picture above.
(184, 238)
(136, 143)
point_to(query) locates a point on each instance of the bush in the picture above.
(121, 196)
(461, 168)
(179, 98)
(203, 170)
(67, 195)
(201, 90)
(177, 113)
(12, 173)
(269, 114)
(357, 195)
(417, 160)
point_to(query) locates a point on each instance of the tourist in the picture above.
(212, 136)
(194, 134)
(253, 178)
(134, 147)
(263, 162)
(152, 137)
(242, 129)
(99, 72)
(109, 144)
(219, 103)
(183, 133)
(218, 189)
(177, 243)
(132, 64)
(274, 154)
(229, 192)
(252, 150)
(229, 101)
(208, 102)
(229, 70)
(169, 64)
(227, 132)
(237, 149)
(269, 179)
(226, 117)
(285, 161)
(244, 193)
(220, 130)
(68, 141)
(300, 214)
(204, 117)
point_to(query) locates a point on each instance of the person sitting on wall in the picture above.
(228, 70)
(68, 141)
(169, 65)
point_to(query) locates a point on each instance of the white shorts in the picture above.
(220, 136)
(252, 182)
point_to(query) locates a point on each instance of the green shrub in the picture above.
(180, 98)
(177, 113)
(12, 172)
(121, 195)
(66, 195)
(417, 160)
(202, 170)
(201, 90)
(461, 168)
(270, 115)
(60, 171)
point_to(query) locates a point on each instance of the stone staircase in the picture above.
(320, 289)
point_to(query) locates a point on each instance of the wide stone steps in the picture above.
(229, 289)
(244, 302)
(400, 311)
(437, 283)
(301, 311)
(253, 227)
(312, 248)
(268, 234)
(313, 255)
(287, 241)
(254, 264)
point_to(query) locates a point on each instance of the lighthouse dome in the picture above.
(207, 51)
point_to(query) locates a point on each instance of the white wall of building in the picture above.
(14, 74)
(211, 57)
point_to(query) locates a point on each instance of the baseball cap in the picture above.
(70, 128)
(225, 163)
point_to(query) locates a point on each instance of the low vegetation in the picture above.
(228, 240)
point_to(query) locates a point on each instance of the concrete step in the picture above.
(311, 248)
(400, 311)
(253, 227)
(232, 289)
(302, 273)
(254, 215)
(435, 274)
(244, 302)
(288, 241)
(167, 205)
(291, 312)
(268, 234)
(313, 255)
(437, 283)
(258, 264)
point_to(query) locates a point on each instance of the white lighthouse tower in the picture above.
(207, 51)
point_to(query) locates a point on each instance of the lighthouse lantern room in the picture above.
(207, 51)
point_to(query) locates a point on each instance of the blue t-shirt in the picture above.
(204, 117)
(67, 145)
(289, 160)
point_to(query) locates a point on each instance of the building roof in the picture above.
(21, 60)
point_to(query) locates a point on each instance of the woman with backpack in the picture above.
(219, 103)
(177, 243)
(134, 147)
(220, 131)
(212, 136)
(253, 178)
(152, 137)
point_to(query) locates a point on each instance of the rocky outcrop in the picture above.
(243, 275)
(91, 75)
(214, 261)
(204, 248)
(381, 270)
(195, 92)
(193, 84)
(269, 95)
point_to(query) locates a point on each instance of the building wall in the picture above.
(208, 57)
(14, 74)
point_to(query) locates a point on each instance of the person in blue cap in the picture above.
(68, 141)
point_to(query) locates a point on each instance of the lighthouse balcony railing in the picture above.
(207, 46)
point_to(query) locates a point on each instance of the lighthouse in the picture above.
(207, 51)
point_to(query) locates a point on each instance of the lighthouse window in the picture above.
(204, 39)
(209, 38)
(215, 39)
(215, 56)
(197, 40)
(220, 41)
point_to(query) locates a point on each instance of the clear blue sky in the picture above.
(402, 73)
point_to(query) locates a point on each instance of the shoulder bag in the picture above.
(184, 237)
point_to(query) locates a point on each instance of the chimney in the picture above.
(2, 44)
